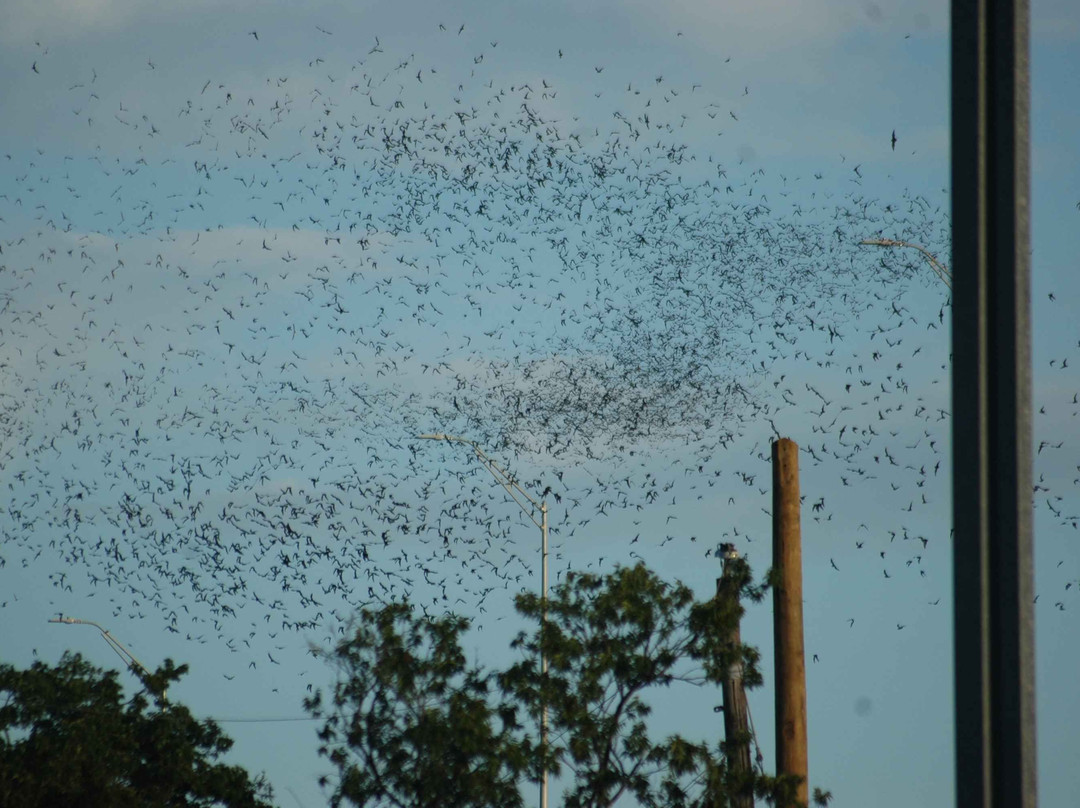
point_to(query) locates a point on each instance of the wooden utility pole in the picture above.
(791, 757)
(736, 712)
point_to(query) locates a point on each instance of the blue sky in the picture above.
(214, 307)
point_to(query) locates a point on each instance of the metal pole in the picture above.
(508, 482)
(791, 755)
(991, 343)
(543, 655)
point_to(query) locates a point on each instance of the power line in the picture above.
(258, 720)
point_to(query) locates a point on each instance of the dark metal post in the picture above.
(991, 342)
(736, 710)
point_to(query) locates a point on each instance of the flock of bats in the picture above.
(226, 315)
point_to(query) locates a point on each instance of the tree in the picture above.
(411, 724)
(68, 737)
(609, 641)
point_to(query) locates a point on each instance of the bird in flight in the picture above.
(894, 140)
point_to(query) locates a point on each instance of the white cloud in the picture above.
(51, 20)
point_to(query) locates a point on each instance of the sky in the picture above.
(251, 251)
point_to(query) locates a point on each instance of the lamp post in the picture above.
(941, 271)
(121, 651)
(512, 488)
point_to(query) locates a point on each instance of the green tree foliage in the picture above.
(610, 641)
(68, 737)
(410, 724)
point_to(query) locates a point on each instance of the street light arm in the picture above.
(501, 477)
(941, 271)
(121, 651)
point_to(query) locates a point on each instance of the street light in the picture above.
(941, 271)
(122, 652)
(507, 482)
